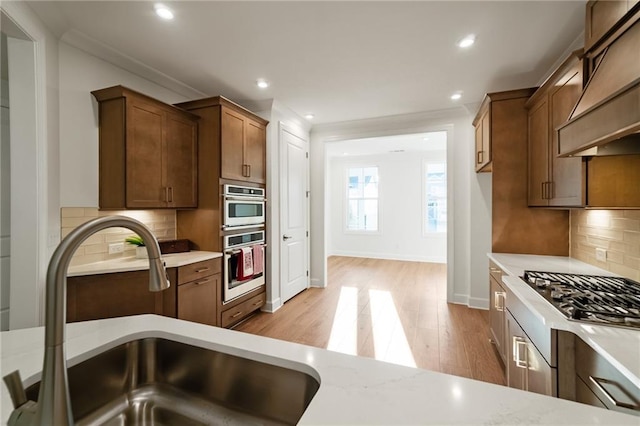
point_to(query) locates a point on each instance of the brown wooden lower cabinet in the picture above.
(197, 300)
(237, 313)
(118, 294)
(194, 294)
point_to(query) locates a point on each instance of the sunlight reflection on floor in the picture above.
(389, 340)
(344, 331)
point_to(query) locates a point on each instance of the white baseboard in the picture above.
(391, 256)
(460, 299)
(272, 306)
(479, 303)
(315, 282)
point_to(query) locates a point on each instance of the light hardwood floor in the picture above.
(389, 310)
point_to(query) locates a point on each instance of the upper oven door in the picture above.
(240, 211)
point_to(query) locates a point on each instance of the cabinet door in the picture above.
(197, 300)
(255, 152)
(496, 316)
(483, 140)
(181, 148)
(144, 152)
(566, 173)
(541, 378)
(516, 354)
(232, 145)
(601, 16)
(539, 153)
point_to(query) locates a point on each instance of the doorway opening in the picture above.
(387, 197)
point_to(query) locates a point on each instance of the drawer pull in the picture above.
(237, 314)
(602, 385)
(201, 270)
(518, 343)
(257, 303)
(202, 282)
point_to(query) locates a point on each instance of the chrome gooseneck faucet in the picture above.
(54, 403)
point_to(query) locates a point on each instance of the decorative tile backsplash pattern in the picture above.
(96, 248)
(616, 231)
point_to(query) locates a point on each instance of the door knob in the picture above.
(286, 237)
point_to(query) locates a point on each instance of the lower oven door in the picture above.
(232, 286)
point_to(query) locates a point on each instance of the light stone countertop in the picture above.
(353, 390)
(127, 264)
(620, 346)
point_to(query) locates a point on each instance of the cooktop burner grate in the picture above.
(590, 298)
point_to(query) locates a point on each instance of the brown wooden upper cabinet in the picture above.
(237, 134)
(148, 152)
(602, 17)
(555, 181)
(482, 124)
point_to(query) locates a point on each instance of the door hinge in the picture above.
(307, 193)
(307, 273)
(307, 233)
(306, 154)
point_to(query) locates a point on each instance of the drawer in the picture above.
(240, 311)
(195, 271)
(608, 384)
(495, 272)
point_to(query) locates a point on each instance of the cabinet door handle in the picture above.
(237, 314)
(166, 194)
(257, 303)
(248, 170)
(496, 300)
(601, 384)
(552, 190)
(480, 155)
(197, 271)
(170, 192)
(542, 186)
(518, 343)
(202, 282)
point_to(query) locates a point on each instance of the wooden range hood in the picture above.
(606, 119)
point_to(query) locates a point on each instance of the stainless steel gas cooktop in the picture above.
(590, 298)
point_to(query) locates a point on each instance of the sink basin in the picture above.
(163, 382)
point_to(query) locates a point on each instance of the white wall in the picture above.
(5, 191)
(81, 73)
(400, 232)
(35, 221)
(469, 229)
(277, 114)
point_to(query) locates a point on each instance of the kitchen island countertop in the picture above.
(620, 346)
(127, 264)
(353, 390)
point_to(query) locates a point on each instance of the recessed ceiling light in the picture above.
(309, 116)
(467, 41)
(262, 83)
(456, 96)
(163, 11)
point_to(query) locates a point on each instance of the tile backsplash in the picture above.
(616, 231)
(96, 248)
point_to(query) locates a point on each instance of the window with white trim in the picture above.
(362, 199)
(435, 208)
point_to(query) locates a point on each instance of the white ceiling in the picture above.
(418, 142)
(339, 60)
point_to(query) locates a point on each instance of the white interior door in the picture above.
(294, 214)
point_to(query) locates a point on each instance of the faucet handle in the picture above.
(25, 411)
(16, 388)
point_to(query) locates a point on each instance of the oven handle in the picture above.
(236, 251)
(257, 199)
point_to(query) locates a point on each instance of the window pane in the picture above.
(436, 197)
(362, 203)
(370, 219)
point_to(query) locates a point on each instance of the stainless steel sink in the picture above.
(163, 382)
